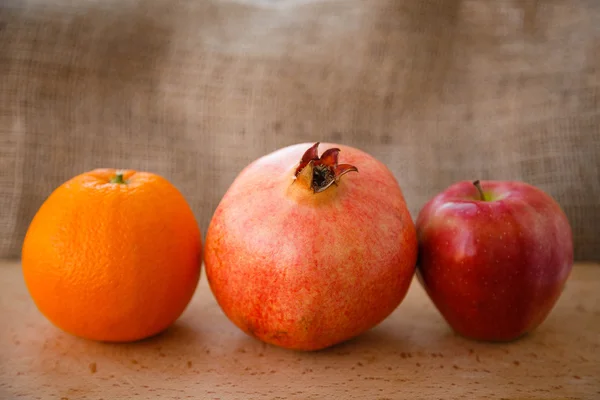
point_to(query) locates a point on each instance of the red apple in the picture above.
(493, 257)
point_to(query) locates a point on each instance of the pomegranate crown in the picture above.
(324, 171)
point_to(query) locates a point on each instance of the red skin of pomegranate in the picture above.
(494, 269)
(305, 270)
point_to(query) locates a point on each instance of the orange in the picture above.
(113, 255)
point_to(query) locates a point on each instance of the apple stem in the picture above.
(479, 189)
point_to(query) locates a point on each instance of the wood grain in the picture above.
(412, 354)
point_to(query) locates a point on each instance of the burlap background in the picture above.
(194, 90)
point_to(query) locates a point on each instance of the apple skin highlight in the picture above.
(494, 268)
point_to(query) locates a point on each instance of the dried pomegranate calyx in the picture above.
(321, 172)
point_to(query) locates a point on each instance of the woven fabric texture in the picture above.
(195, 90)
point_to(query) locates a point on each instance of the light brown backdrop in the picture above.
(195, 89)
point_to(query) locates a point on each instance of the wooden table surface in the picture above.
(411, 355)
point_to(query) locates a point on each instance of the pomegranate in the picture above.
(305, 253)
